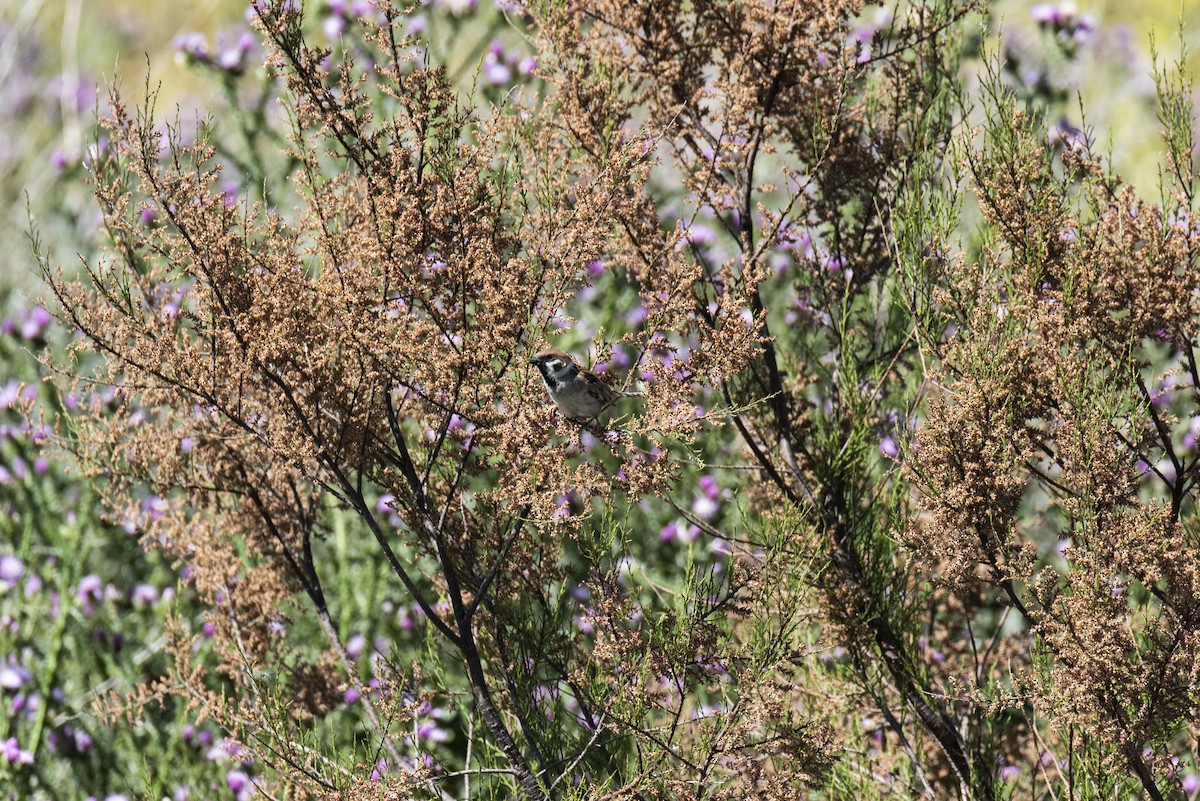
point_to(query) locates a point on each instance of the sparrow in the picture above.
(579, 394)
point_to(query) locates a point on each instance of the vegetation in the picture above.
(898, 499)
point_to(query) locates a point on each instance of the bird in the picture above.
(578, 393)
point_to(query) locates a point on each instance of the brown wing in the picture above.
(597, 386)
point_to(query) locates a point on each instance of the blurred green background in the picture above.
(56, 54)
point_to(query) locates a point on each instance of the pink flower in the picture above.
(237, 780)
(355, 645)
(888, 447)
(11, 570)
(35, 323)
(15, 754)
(13, 677)
(496, 72)
(90, 588)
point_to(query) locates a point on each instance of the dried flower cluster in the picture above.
(1047, 404)
(274, 365)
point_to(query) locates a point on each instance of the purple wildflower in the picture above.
(13, 752)
(237, 780)
(11, 570)
(355, 645)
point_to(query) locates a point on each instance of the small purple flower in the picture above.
(147, 215)
(355, 645)
(680, 531)
(583, 623)
(231, 59)
(1045, 13)
(496, 72)
(835, 263)
(229, 191)
(334, 26)
(223, 751)
(191, 47)
(720, 546)
(428, 730)
(888, 447)
(863, 35)
(417, 25)
(35, 323)
(237, 780)
(90, 588)
(11, 570)
(14, 676)
(1191, 783)
(1068, 137)
(13, 752)
(144, 594)
(704, 507)
(154, 508)
(1065, 21)
(562, 511)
